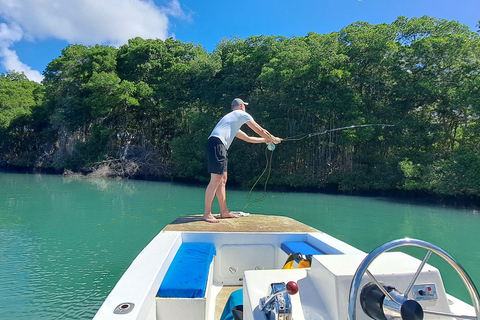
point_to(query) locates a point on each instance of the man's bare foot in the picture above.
(228, 215)
(210, 218)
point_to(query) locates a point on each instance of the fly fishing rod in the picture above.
(271, 147)
(308, 135)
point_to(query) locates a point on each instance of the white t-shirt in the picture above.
(229, 125)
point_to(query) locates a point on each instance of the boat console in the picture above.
(396, 286)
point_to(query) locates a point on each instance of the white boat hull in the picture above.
(249, 255)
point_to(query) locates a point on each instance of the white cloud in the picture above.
(10, 61)
(84, 21)
(87, 21)
(174, 9)
(10, 34)
(9, 58)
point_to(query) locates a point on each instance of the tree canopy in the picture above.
(146, 108)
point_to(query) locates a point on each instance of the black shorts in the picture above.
(217, 156)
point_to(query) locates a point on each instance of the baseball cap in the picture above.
(237, 101)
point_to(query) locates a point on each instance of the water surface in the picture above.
(65, 242)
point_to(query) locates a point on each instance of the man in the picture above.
(218, 143)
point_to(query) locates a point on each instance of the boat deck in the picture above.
(252, 223)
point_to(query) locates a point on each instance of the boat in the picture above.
(272, 267)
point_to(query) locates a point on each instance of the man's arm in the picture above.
(243, 136)
(267, 136)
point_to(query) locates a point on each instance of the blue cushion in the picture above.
(188, 273)
(300, 247)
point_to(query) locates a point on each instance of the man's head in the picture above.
(238, 102)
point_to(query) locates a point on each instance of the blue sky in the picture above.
(33, 32)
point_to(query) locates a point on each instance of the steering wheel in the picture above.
(399, 300)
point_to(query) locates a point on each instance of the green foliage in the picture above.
(65, 78)
(95, 148)
(18, 96)
(164, 97)
(455, 174)
(20, 101)
(188, 151)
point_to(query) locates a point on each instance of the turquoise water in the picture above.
(65, 242)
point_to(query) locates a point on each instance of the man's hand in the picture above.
(276, 140)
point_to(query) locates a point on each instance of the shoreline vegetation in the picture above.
(145, 109)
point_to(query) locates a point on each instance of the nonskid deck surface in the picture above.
(252, 223)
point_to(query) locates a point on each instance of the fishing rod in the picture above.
(271, 147)
(308, 135)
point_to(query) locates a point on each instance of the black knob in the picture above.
(411, 310)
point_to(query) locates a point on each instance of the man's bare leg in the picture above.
(213, 185)
(222, 198)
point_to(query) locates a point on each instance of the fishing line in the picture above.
(271, 147)
(268, 166)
